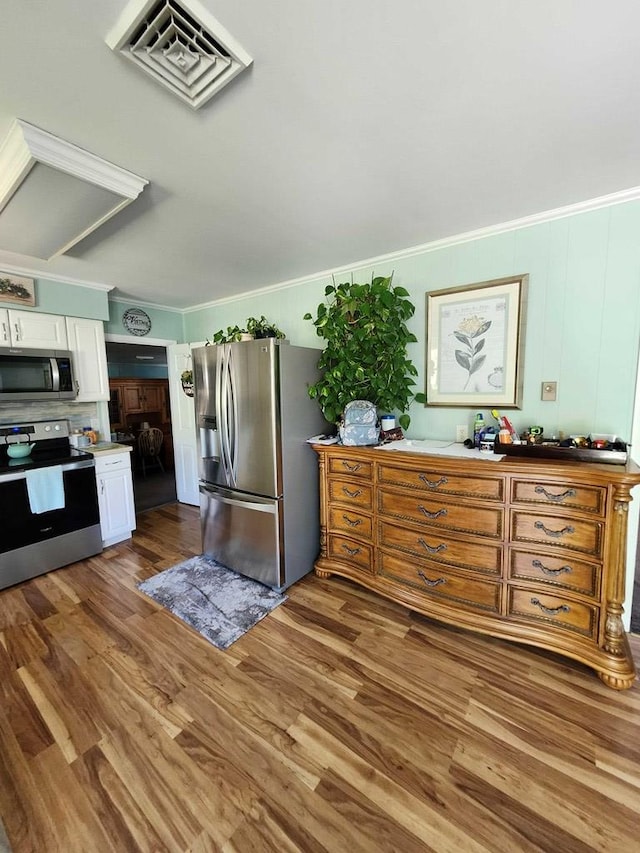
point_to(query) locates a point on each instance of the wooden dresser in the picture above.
(524, 550)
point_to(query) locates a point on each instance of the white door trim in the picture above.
(114, 338)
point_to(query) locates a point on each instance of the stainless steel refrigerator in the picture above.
(258, 476)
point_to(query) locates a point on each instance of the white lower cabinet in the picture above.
(115, 496)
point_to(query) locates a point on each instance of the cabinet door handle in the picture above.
(352, 522)
(355, 494)
(551, 611)
(355, 467)
(5, 332)
(438, 514)
(436, 550)
(432, 484)
(570, 493)
(555, 533)
(17, 328)
(102, 487)
(351, 551)
(429, 582)
(547, 571)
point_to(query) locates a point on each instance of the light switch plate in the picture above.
(549, 391)
(462, 433)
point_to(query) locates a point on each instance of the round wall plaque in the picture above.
(136, 321)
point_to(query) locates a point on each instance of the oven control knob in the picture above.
(57, 427)
(47, 428)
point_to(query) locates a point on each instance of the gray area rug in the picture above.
(220, 604)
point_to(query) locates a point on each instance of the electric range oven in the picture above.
(32, 543)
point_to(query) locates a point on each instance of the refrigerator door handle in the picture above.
(233, 432)
(245, 504)
(221, 410)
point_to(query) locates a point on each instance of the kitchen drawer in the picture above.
(439, 512)
(112, 461)
(353, 467)
(556, 532)
(565, 572)
(350, 551)
(554, 610)
(589, 499)
(437, 482)
(438, 582)
(350, 493)
(432, 545)
(352, 523)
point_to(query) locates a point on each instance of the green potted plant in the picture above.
(230, 335)
(365, 358)
(263, 328)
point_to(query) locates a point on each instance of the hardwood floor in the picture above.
(340, 723)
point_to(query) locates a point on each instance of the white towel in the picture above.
(45, 487)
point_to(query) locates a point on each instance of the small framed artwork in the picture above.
(16, 289)
(475, 343)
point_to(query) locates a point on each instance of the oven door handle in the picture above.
(69, 466)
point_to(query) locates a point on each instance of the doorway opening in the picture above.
(139, 403)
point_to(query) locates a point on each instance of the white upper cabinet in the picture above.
(86, 342)
(31, 330)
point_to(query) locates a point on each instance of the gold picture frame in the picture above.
(475, 344)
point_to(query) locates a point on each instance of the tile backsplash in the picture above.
(79, 415)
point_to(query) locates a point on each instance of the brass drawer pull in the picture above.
(555, 533)
(352, 522)
(349, 494)
(350, 467)
(440, 512)
(351, 551)
(428, 582)
(553, 572)
(551, 611)
(570, 493)
(433, 484)
(436, 550)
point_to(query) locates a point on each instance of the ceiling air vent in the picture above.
(180, 45)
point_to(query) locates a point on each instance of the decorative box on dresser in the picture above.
(531, 551)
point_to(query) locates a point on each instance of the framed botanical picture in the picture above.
(475, 340)
(16, 289)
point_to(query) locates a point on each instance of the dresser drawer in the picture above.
(350, 493)
(353, 467)
(438, 582)
(432, 545)
(556, 532)
(350, 551)
(565, 572)
(353, 523)
(554, 610)
(437, 482)
(589, 499)
(440, 512)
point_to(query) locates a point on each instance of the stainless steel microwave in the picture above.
(36, 374)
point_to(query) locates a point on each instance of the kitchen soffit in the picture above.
(53, 193)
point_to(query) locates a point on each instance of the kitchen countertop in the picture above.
(107, 447)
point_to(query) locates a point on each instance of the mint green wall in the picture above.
(165, 324)
(69, 300)
(582, 327)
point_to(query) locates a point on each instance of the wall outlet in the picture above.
(462, 433)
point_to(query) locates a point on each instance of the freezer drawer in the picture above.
(243, 532)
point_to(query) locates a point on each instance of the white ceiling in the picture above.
(363, 127)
